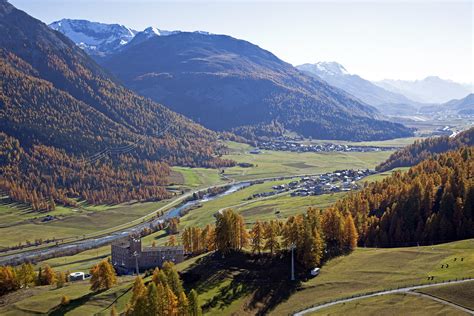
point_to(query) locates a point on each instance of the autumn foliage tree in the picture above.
(230, 230)
(103, 276)
(163, 296)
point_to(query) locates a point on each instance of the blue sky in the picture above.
(377, 40)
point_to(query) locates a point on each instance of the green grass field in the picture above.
(282, 163)
(281, 207)
(391, 305)
(371, 269)
(205, 214)
(197, 177)
(461, 294)
(72, 223)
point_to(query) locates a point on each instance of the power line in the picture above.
(122, 149)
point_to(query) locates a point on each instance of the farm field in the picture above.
(391, 305)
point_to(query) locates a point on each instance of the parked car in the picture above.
(314, 272)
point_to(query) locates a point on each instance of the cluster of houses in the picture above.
(342, 180)
(287, 145)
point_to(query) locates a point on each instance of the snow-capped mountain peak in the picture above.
(94, 36)
(151, 31)
(100, 39)
(331, 67)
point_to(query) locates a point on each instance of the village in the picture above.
(287, 145)
(338, 181)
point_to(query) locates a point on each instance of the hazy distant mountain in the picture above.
(429, 90)
(230, 84)
(335, 74)
(464, 106)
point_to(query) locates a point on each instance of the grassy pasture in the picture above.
(391, 305)
(461, 294)
(371, 269)
(72, 223)
(281, 163)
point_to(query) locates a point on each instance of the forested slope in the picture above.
(75, 131)
(420, 150)
(431, 203)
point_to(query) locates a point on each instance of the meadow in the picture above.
(391, 305)
(282, 163)
(461, 294)
(370, 269)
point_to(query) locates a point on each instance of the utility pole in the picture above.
(135, 254)
(292, 262)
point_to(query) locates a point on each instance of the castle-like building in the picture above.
(128, 256)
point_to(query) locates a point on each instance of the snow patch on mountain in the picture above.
(101, 38)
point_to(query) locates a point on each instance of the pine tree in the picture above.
(350, 234)
(171, 241)
(26, 275)
(172, 278)
(194, 305)
(48, 276)
(271, 232)
(256, 235)
(140, 308)
(113, 311)
(60, 279)
(152, 299)
(172, 301)
(65, 300)
(102, 276)
(183, 304)
(138, 290)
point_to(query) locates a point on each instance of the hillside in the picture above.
(429, 90)
(230, 84)
(464, 106)
(430, 203)
(336, 75)
(55, 99)
(420, 150)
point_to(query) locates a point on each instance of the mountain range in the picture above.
(464, 106)
(230, 84)
(55, 94)
(429, 90)
(386, 101)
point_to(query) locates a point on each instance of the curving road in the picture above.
(401, 290)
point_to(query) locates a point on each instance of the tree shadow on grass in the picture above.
(263, 280)
(73, 304)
